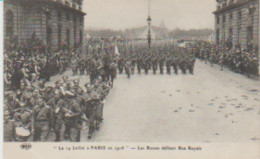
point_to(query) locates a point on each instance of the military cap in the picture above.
(58, 82)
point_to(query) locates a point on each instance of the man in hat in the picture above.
(90, 107)
(175, 64)
(76, 88)
(161, 65)
(57, 104)
(128, 69)
(168, 65)
(42, 121)
(139, 64)
(73, 118)
(26, 94)
(155, 64)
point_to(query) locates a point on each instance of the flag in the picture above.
(116, 51)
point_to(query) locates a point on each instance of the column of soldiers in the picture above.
(237, 60)
(160, 56)
(37, 110)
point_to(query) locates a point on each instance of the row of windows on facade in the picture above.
(250, 12)
(9, 23)
(230, 17)
(59, 14)
(249, 36)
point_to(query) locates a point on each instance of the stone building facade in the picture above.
(237, 23)
(56, 22)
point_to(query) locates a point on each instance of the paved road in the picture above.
(210, 106)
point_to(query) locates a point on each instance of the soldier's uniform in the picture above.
(82, 66)
(76, 88)
(161, 65)
(182, 66)
(190, 65)
(120, 65)
(168, 65)
(139, 64)
(72, 119)
(133, 63)
(56, 105)
(42, 122)
(175, 65)
(127, 68)
(146, 65)
(155, 65)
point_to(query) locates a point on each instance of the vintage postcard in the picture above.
(131, 79)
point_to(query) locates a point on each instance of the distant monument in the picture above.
(162, 25)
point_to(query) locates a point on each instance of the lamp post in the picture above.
(149, 21)
(149, 38)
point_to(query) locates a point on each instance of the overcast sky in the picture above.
(122, 14)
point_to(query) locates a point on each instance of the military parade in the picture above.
(36, 110)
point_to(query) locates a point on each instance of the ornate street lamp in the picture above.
(149, 21)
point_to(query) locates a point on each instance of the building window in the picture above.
(49, 37)
(67, 16)
(230, 39)
(217, 19)
(75, 30)
(224, 19)
(250, 38)
(239, 15)
(68, 37)
(217, 36)
(9, 23)
(80, 37)
(48, 15)
(59, 16)
(230, 16)
(59, 36)
(238, 36)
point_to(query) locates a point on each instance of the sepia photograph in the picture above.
(131, 71)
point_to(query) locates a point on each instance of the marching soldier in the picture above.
(57, 104)
(91, 103)
(155, 65)
(42, 121)
(146, 65)
(139, 64)
(128, 69)
(182, 66)
(190, 65)
(120, 65)
(72, 118)
(168, 65)
(161, 65)
(175, 65)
